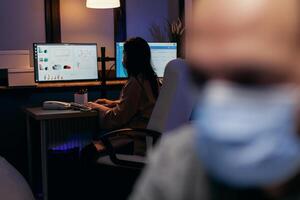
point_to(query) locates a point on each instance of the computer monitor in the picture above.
(161, 54)
(65, 62)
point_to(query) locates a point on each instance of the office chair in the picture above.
(173, 109)
(12, 184)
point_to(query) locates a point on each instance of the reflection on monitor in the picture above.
(65, 62)
(161, 54)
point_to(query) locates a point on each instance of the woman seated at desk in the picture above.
(139, 95)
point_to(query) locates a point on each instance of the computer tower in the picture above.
(3, 77)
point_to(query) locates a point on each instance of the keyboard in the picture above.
(77, 106)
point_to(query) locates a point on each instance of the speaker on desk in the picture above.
(3, 77)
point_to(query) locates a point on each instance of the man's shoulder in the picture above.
(173, 165)
(181, 138)
(178, 144)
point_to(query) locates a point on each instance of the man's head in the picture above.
(252, 36)
(248, 51)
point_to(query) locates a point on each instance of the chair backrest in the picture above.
(176, 100)
(12, 184)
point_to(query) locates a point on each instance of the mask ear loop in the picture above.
(197, 77)
(297, 111)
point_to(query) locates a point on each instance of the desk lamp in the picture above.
(103, 4)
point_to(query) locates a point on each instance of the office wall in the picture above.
(81, 24)
(188, 17)
(173, 9)
(21, 24)
(142, 15)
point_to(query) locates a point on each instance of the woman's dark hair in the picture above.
(138, 62)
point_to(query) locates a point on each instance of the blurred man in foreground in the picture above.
(245, 143)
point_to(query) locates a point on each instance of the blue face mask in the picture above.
(248, 137)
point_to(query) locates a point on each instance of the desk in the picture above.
(45, 117)
(81, 84)
(109, 83)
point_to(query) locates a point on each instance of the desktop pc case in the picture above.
(3, 77)
(15, 68)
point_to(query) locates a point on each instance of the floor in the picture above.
(68, 179)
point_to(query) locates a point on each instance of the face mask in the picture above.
(247, 137)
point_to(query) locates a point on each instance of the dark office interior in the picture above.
(68, 22)
(149, 100)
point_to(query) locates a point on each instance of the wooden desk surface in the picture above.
(80, 84)
(73, 84)
(39, 113)
(70, 84)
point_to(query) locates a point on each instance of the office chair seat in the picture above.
(114, 158)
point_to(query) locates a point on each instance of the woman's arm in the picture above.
(117, 116)
(107, 102)
(117, 101)
(126, 108)
(101, 108)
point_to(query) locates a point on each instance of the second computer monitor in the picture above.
(161, 54)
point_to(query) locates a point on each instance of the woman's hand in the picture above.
(94, 106)
(100, 108)
(102, 101)
(106, 102)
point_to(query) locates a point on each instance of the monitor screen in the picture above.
(65, 62)
(161, 54)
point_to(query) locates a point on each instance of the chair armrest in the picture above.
(148, 132)
(112, 152)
